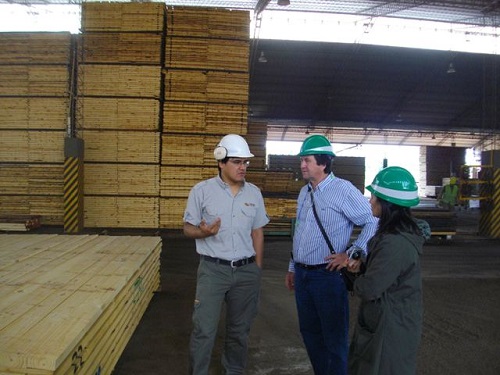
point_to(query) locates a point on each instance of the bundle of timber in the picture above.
(177, 181)
(33, 80)
(106, 113)
(120, 80)
(121, 212)
(69, 304)
(172, 212)
(121, 146)
(51, 208)
(119, 47)
(208, 23)
(203, 53)
(441, 221)
(34, 113)
(35, 48)
(19, 223)
(36, 179)
(207, 86)
(205, 118)
(122, 16)
(281, 207)
(32, 146)
(187, 149)
(121, 179)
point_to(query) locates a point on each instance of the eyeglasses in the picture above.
(240, 162)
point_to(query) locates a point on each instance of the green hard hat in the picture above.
(395, 185)
(316, 144)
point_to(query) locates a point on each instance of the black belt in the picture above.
(232, 263)
(310, 266)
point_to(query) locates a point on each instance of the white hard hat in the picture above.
(232, 146)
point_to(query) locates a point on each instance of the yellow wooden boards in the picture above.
(69, 304)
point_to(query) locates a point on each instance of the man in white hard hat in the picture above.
(226, 215)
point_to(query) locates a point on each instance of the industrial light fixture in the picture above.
(284, 3)
(451, 69)
(262, 58)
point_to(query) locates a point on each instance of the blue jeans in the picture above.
(323, 310)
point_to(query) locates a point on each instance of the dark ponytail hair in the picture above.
(396, 219)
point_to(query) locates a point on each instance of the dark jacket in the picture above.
(389, 324)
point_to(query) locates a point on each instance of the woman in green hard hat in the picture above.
(389, 324)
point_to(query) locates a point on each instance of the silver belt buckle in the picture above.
(232, 264)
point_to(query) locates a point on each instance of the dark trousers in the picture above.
(323, 310)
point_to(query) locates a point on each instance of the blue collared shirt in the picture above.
(340, 206)
(239, 215)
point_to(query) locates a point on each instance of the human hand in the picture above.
(336, 261)
(354, 265)
(290, 281)
(210, 229)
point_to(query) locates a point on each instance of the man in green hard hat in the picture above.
(314, 270)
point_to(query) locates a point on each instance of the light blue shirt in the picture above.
(239, 215)
(340, 206)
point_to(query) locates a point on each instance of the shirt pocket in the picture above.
(248, 214)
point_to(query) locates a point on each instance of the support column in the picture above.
(489, 223)
(73, 185)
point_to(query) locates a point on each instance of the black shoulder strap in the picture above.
(323, 232)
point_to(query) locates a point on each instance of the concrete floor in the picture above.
(461, 332)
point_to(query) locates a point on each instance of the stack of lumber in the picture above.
(123, 17)
(69, 304)
(27, 179)
(121, 212)
(206, 86)
(178, 181)
(34, 48)
(204, 117)
(33, 113)
(121, 179)
(120, 47)
(257, 138)
(171, 212)
(51, 208)
(121, 146)
(105, 113)
(208, 23)
(206, 97)
(441, 221)
(33, 80)
(120, 80)
(203, 53)
(189, 150)
(19, 223)
(34, 102)
(120, 87)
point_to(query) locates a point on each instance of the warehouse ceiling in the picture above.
(359, 93)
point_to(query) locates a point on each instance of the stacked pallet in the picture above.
(119, 92)
(71, 303)
(34, 97)
(206, 97)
